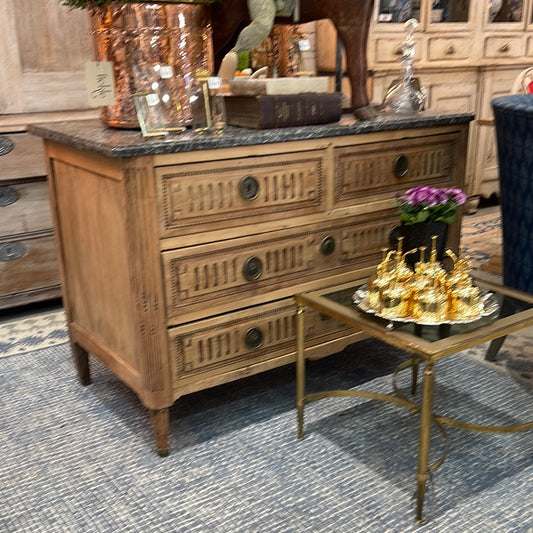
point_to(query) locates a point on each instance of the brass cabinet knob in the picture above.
(450, 50)
(249, 188)
(10, 251)
(253, 338)
(400, 167)
(252, 268)
(8, 196)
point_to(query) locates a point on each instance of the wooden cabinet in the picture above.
(179, 267)
(44, 49)
(42, 76)
(28, 264)
(465, 56)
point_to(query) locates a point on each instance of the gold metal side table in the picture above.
(426, 344)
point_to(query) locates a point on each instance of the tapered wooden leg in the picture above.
(81, 360)
(159, 419)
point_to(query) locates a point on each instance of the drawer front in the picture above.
(213, 278)
(23, 156)
(504, 46)
(207, 348)
(452, 95)
(24, 208)
(456, 49)
(377, 172)
(240, 192)
(28, 264)
(529, 46)
(390, 49)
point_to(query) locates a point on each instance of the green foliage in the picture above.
(243, 60)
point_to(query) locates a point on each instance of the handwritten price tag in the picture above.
(100, 83)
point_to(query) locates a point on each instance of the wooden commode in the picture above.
(179, 256)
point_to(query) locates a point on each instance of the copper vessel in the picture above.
(136, 36)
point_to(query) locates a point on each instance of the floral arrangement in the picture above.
(429, 204)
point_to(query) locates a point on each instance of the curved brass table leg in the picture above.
(414, 374)
(300, 369)
(425, 429)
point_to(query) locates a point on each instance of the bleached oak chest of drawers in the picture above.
(179, 257)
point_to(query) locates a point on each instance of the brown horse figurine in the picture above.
(350, 17)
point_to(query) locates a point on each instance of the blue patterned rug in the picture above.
(80, 459)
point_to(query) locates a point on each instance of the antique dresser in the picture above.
(179, 255)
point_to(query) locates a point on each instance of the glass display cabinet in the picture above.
(467, 52)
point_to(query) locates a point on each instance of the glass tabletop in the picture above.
(514, 311)
(506, 306)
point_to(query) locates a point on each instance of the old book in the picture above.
(283, 110)
(286, 85)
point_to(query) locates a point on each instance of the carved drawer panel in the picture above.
(216, 276)
(374, 172)
(27, 264)
(243, 338)
(24, 207)
(213, 195)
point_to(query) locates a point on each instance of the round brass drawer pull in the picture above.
(327, 246)
(249, 188)
(505, 47)
(254, 338)
(8, 196)
(11, 251)
(252, 268)
(450, 50)
(400, 166)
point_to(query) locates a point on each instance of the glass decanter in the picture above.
(405, 97)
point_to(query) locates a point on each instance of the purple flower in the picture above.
(429, 204)
(458, 195)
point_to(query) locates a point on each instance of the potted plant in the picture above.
(424, 212)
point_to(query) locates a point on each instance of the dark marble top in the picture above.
(94, 136)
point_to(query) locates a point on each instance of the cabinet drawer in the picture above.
(26, 158)
(216, 277)
(24, 208)
(215, 195)
(390, 49)
(456, 49)
(28, 264)
(377, 171)
(504, 46)
(211, 347)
